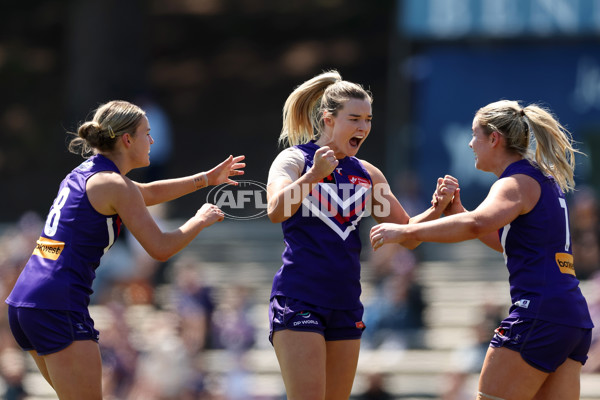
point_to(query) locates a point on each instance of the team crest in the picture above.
(341, 214)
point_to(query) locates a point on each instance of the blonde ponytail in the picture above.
(301, 109)
(536, 134)
(554, 149)
(304, 107)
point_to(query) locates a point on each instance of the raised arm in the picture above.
(387, 208)
(112, 193)
(169, 189)
(456, 207)
(286, 193)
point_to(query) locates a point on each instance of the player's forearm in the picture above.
(286, 202)
(169, 189)
(451, 229)
(173, 242)
(432, 213)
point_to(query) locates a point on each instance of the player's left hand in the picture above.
(221, 173)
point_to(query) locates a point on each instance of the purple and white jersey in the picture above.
(321, 260)
(537, 251)
(60, 272)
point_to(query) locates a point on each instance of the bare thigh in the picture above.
(302, 359)
(505, 375)
(41, 364)
(342, 360)
(562, 384)
(313, 369)
(75, 372)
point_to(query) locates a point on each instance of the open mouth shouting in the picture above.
(355, 141)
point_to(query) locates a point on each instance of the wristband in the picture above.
(201, 181)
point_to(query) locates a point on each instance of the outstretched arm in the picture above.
(387, 208)
(112, 193)
(508, 198)
(169, 189)
(455, 207)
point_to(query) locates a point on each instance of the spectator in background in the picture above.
(585, 232)
(593, 364)
(16, 245)
(233, 325)
(162, 133)
(164, 368)
(119, 356)
(391, 260)
(468, 358)
(12, 371)
(406, 184)
(394, 314)
(193, 301)
(376, 389)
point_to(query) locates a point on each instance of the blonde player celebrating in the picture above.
(47, 311)
(538, 350)
(318, 190)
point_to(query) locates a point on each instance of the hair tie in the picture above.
(111, 133)
(522, 112)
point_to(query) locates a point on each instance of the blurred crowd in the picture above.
(159, 321)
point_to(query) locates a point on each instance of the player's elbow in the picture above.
(477, 228)
(276, 219)
(410, 245)
(161, 255)
(275, 215)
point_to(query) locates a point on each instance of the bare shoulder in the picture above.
(376, 174)
(109, 180)
(518, 188)
(107, 189)
(518, 183)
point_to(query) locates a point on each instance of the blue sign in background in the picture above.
(453, 81)
(450, 19)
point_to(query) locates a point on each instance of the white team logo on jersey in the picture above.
(341, 214)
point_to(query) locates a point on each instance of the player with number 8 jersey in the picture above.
(48, 306)
(60, 273)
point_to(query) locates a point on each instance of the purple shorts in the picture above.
(288, 313)
(49, 331)
(543, 345)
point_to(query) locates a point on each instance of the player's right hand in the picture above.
(209, 214)
(447, 195)
(324, 162)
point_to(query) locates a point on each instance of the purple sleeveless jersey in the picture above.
(321, 260)
(537, 251)
(60, 272)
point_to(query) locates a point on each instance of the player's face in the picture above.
(480, 143)
(141, 142)
(350, 127)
